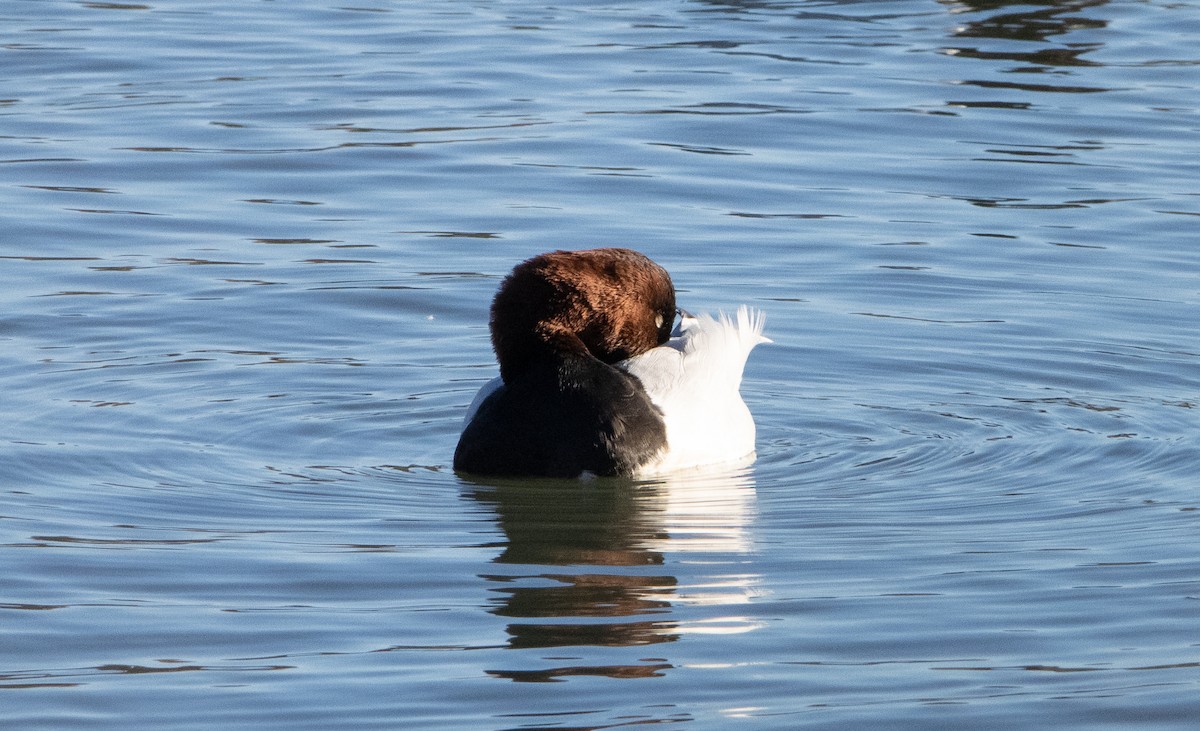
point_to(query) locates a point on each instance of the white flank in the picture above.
(695, 379)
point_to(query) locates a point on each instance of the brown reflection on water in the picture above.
(1033, 26)
(1025, 20)
(608, 582)
(568, 525)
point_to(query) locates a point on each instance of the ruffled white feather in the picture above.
(695, 380)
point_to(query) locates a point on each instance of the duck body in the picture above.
(592, 380)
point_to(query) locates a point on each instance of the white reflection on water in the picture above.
(705, 518)
(703, 510)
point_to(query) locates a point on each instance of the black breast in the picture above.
(560, 419)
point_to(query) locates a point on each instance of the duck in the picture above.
(597, 379)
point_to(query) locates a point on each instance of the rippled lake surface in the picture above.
(247, 254)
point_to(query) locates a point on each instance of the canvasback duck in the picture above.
(594, 378)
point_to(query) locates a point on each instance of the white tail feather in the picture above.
(695, 379)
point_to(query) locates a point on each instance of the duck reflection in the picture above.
(602, 569)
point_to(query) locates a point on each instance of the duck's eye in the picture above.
(658, 321)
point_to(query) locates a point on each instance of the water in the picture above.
(247, 256)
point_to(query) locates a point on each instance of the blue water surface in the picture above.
(248, 250)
